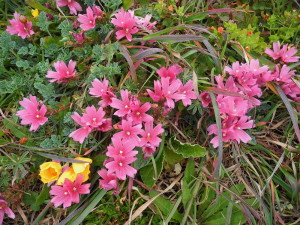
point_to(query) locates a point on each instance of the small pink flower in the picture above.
(123, 105)
(121, 148)
(97, 10)
(63, 72)
(120, 166)
(283, 74)
(69, 192)
(233, 106)
(150, 134)
(187, 92)
(286, 55)
(21, 28)
(4, 209)
(138, 113)
(81, 133)
(101, 89)
(292, 90)
(157, 95)
(106, 125)
(33, 112)
(125, 23)
(170, 91)
(205, 98)
(93, 117)
(88, 20)
(108, 181)
(72, 4)
(171, 72)
(145, 22)
(129, 132)
(148, 150)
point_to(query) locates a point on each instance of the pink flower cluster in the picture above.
(20, 26)
(93, 119)
(33, 113)
(282, 75)
(242, 88)
(4, 209)
(134, 115)
(169, 89)
(69, 192)
(88, 20)
(128, 24)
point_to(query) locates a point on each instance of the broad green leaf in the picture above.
(186, 193)
(165, 206)
(127, 4)
(171, 157)
(187, 150)
(189, 173)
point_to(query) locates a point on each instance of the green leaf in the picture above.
(36, 5)
(148, 172)
(16, 130)
(54, 141)
(165, 206)
(34, 200)
(127, 4)
(187, 150)
(171, 157)
(189, 173)
(47, 91)
(43, 23)
(196, 17)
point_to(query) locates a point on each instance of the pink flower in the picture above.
(187, 92)
(122, 106)
(148, 150)
(205, 98)
(4, 209)
(97, 11)
(233, 106)
(145, 22)
(106, 125)
(286, 55)
(93, 117)
(108, 181)
(20, 26)
(69, 192)
(121, 148)
(170, 91)
(34, 113)
(88, 20)
(101, 89)
(171, 72)
(149, 135)
(157, 95)
(120, 166)
(72, 4)
(125, 23)
(63, 72)
(81, 133)
(292, 90)
(232, 129)
(283, 74)
(276, 53)
(138, 113)
(129, 132)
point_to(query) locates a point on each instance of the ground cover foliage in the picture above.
(149, 112)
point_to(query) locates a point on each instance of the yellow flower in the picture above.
(82, 168)
(50, 171)
(35, 13)
(69, 173)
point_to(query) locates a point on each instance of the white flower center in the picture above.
(68, 72)
(138, 113)
(224, 135)
(74, 189)
(101, 90)
(184, 92)
(65, 193)
(169, 92)
(38, 116)
(127, 30)
(238, 128)
(237, 71)
(255, 70)
(91, 21)
(126, 107)
(120, 164)
(121, 152)
(128, 133)
(0, 207)
(94, 119)
(69, 1)
(148, 135)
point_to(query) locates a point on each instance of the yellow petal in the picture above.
(35, 13)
